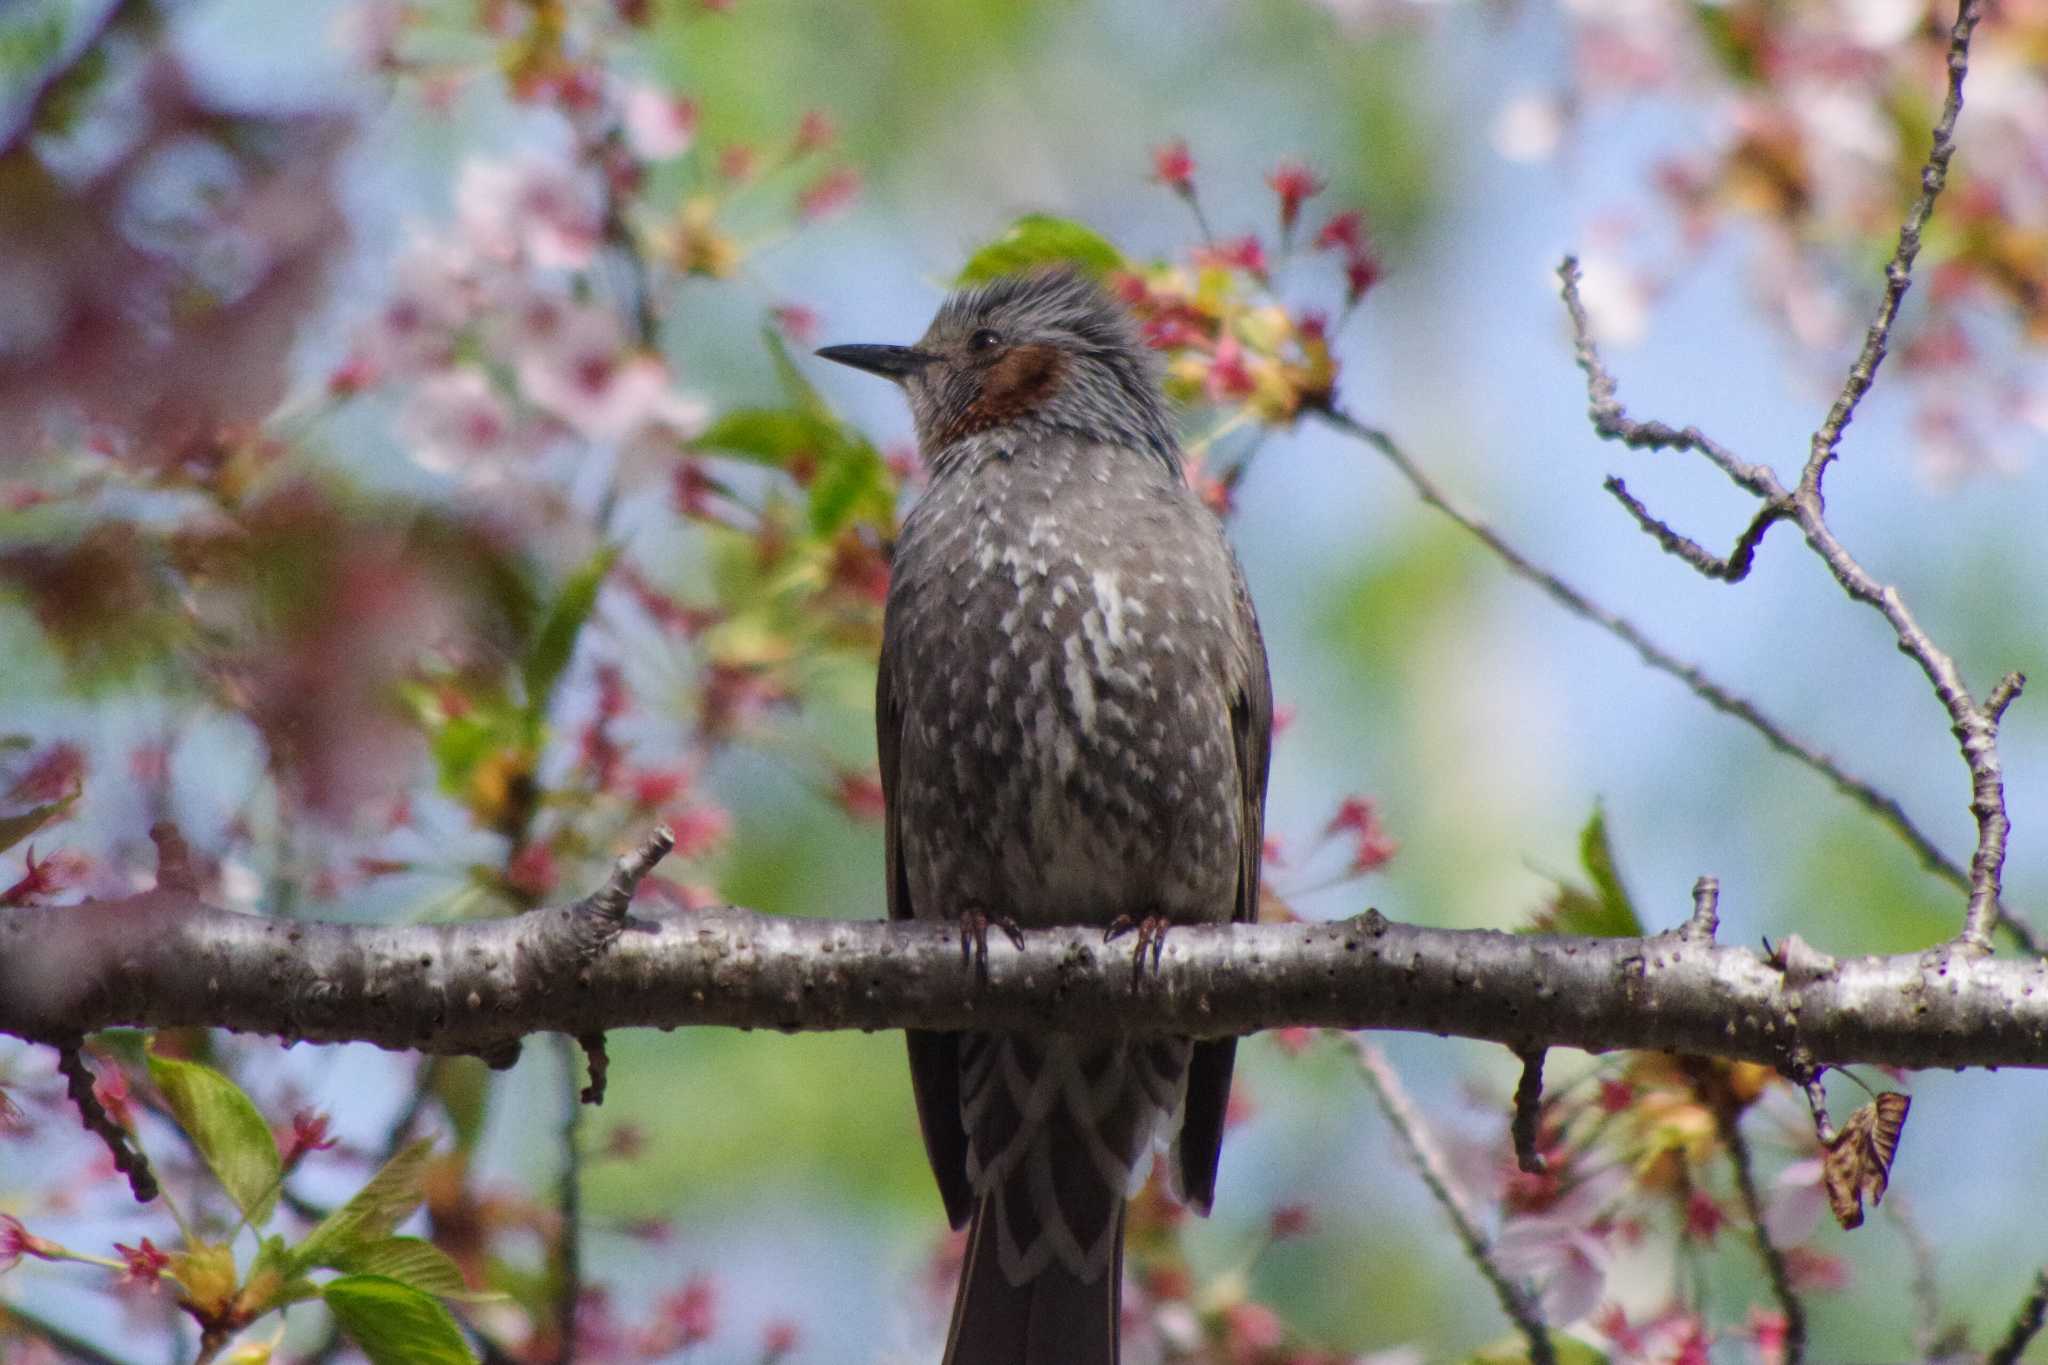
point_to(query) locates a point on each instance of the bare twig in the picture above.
(2026, 1324)
(1926, 1287)
(600, 1065)
(1898, 272)
(1975, 726)
(1705, 920)
(568, 1256)
(128, 1158)
(1413, 1131)
(1789, 1303)
(1877, 802)
(1528, 1110)
(1740, 560)
(1817, 1105)
(612, 899)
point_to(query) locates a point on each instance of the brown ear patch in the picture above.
(1019, 380)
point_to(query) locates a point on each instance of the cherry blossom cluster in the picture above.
(1806, 129)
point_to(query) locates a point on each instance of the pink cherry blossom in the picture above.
(536, 209)
(457, 424)
(659, 126)
(588, 378)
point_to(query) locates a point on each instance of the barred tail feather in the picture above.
(1052, 1318)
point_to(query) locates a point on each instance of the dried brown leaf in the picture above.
(1858, 1164)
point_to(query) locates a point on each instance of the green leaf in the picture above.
(394, 1323)
(1037, 239)
(1618, 912)
(1603, 911)
(377, 1208)
(15, 828)
(411, 1261)
(795, 382)
(853, 486)
(272, 1283)
(769, 435)
(556, 643)
(229, 1132)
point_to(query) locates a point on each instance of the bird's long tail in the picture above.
(1053, 1318)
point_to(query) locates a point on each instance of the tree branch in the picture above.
(1619, 426)
(1975, 726)
(1435, 1170)
(1898, 272)
(164, 959)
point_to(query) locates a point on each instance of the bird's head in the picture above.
(1045, 350)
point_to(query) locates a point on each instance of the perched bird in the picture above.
(1073, 713)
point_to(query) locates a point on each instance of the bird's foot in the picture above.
(1151, 938)
(974, 927)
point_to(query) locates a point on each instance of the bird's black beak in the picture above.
(890, 362)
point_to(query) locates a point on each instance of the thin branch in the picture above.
(1789, 1303)
(1878, 803)
(128, 1158)
(1740, 560)
(1705, 921)
(1898, 272)
(1817, 1106)
(1925, 1284)
(2004, 694)
(600, 1066)
(163, 959)
(569, 1199)
(1528, 1110)
(1611, 420)
(1975, 727)
(2026, 1324)
(1413, 1131)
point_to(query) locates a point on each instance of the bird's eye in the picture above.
(983, 339)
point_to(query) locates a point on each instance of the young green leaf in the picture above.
(556, 643)
(1037, 239)
(394, 1323)
(15, 828)
(852, 486)
(410, 1261)
(1596, 855)
(770, 436)
(377, 1208)
(1602, 911)
(229, 1132)
(802, 392)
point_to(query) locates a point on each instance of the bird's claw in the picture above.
(1151, 937)
(974, 927)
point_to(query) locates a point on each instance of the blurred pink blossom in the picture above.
(659, 126)
(457, 424)
(541, 210)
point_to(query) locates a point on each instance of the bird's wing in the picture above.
(934, 1057)
(1208, 1093)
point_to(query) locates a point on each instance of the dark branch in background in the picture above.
(2026, 1325)
(1864, 793)
(1926, 1287)
(164, 959)
(1975, 725)
(569, 1199)
(128, 1158)
(1413, 1131)
(1728, 1119)
(1528, 1110)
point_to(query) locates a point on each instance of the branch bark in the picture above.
(165, 959)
